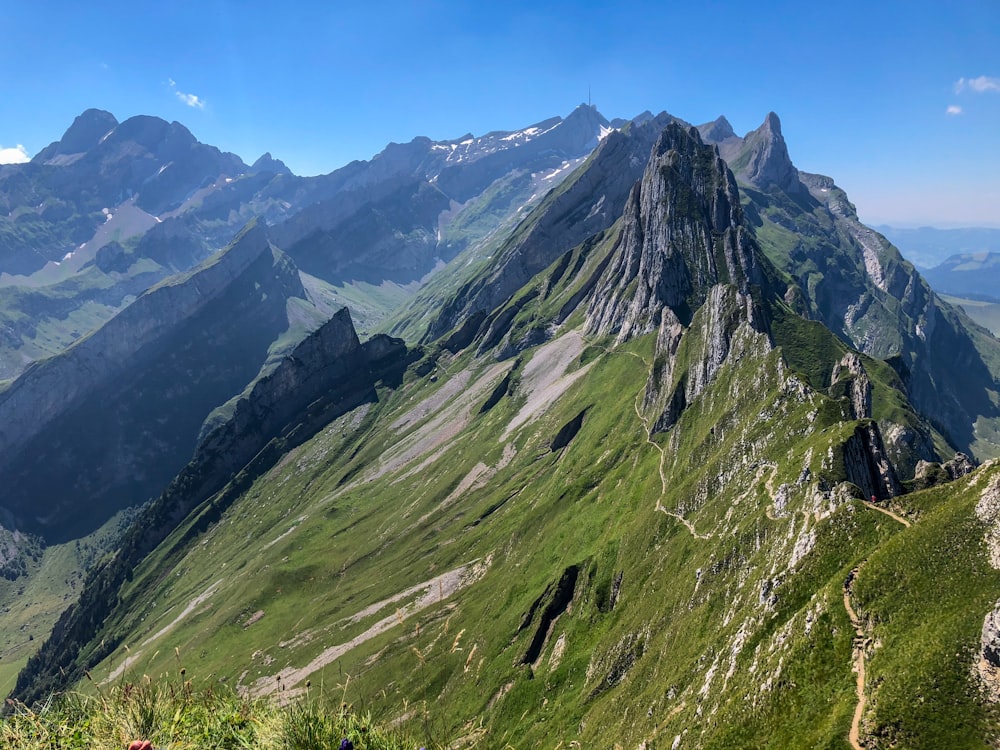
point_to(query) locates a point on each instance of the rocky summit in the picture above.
(629, 434)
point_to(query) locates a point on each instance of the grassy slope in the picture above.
(311, 544)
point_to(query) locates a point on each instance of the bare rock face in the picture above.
(592, 202)
(729, 324)
(683, 234)
(988, 511)
(852, 370)
(959, 466)
(767, 161)
(991, 637)
(867, 464)
(685, 260)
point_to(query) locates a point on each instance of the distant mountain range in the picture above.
(630, 434)
(928, 247)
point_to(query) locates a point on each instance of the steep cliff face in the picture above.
(106, 424)
(682, 234)
(857, 284)
(685, 261)
(764, 160)
(589, 201)
(330, 366)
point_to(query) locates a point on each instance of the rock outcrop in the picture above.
(684, 249)
(764, 161)
(991, 637)
(867, 465)
(590, 201)
(682, 234)
(851, 372)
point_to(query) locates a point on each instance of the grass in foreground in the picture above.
(174, 715)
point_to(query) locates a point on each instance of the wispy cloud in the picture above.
(979, 85)
(190, 100)
(953, 110)
(14, 155)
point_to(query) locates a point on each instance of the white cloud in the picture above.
(190, 100)
(953, 109)
(14, 155)
(980, 85)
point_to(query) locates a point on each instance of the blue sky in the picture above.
(898, 101)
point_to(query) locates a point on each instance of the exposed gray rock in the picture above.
(85, 133)
(268, 164)
(988, 511)
(764, 160)
(959, 466)
(330, 364)
(860, 387)
(682, 234)
(685, 258)
(593, 201)
(991, 637)
(729, 324)
(867, 465)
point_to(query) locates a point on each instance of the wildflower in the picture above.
(346, 744)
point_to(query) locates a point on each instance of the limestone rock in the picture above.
(766, 158)
(851, 369)
(991, 637)
(682, 234)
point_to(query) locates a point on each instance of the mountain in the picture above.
(971, 275)
(927, 247)
(673, 465)
(857, 284)
(78, 438)
(113, 208)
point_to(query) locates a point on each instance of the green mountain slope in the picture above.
(627, 508)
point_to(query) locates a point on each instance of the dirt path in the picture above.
(861, 640)
(889, 513)
(663, 476)
(859, 661)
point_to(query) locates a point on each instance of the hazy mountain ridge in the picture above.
(969, 275)
(77, 438)
(80, 217)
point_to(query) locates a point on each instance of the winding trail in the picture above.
(858, 658)
(860, 637)
(649, 439)
(886, 511)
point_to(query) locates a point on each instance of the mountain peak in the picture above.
(681, 220)
(267, 163)
(86, 132)
(764, 160)
(772, 123)
(716, 131)
(587, 115)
